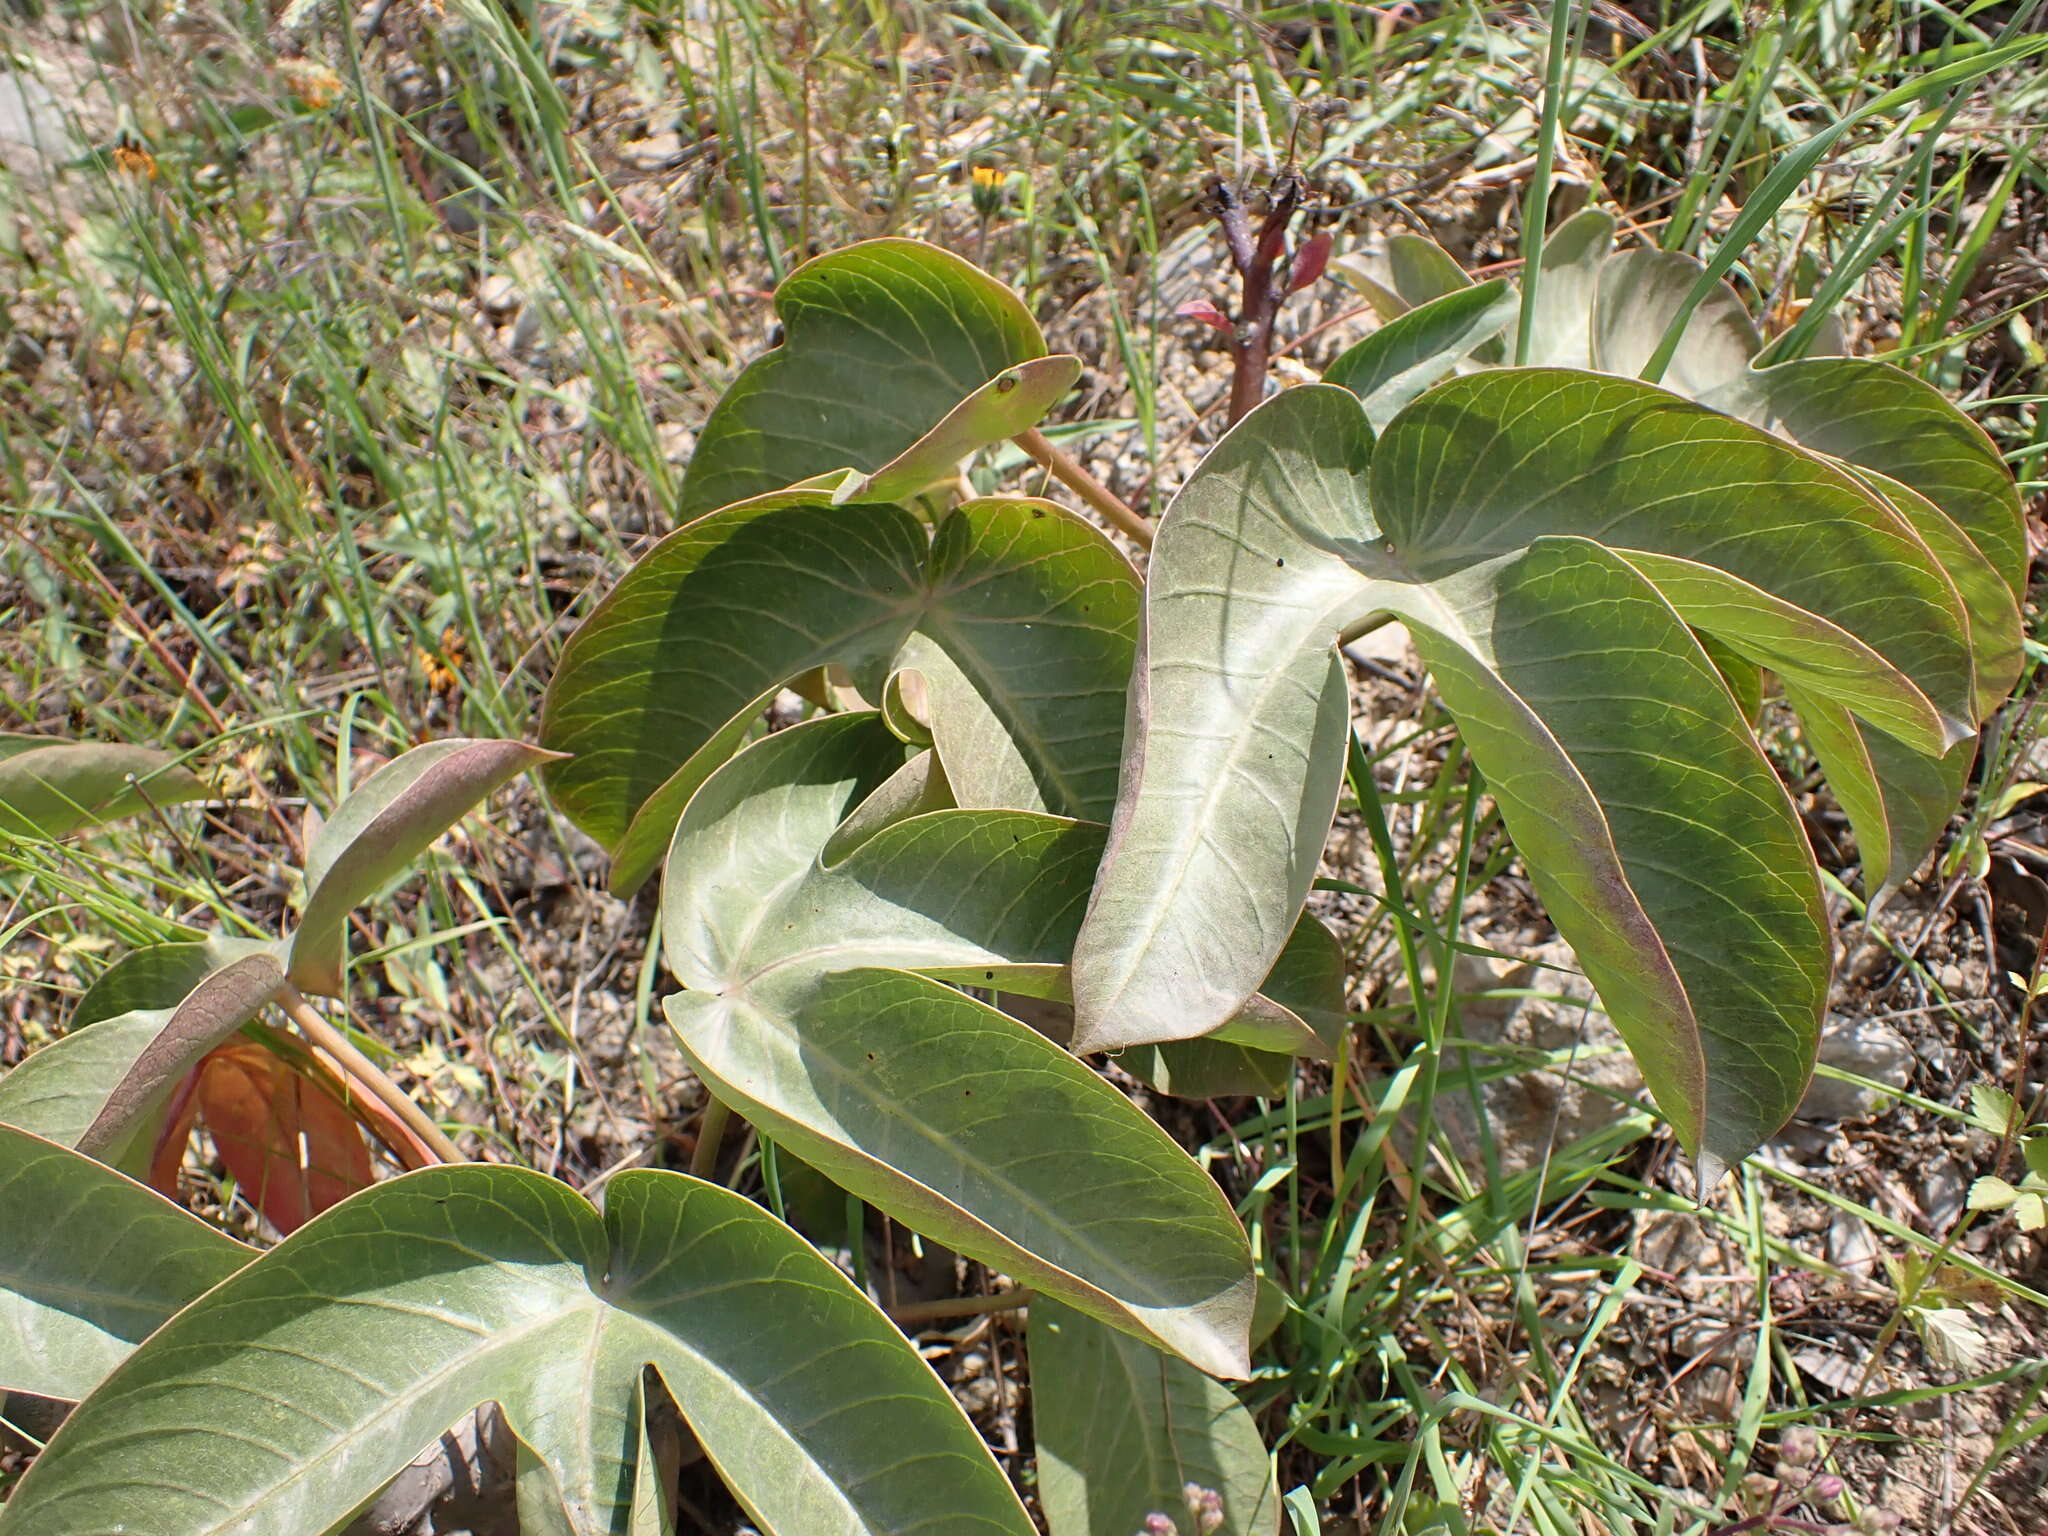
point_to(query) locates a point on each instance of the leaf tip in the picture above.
(1709, 1168)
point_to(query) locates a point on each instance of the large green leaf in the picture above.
(1124, 1432)
(1604, 309)
(1548, 536)
(813, 1008)
(893, 360)
(1018, 616)
(291, 1392)
(1884, 419)
(93, 1264)
(379, 829)
(58, 1090)
(51, 788)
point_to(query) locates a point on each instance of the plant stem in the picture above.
(710, 1139)
(1262, 279)
(367, 1074)
(1084, 485)
(910, 1314)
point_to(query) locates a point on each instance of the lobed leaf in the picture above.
(1548, 536)
(1934, 466)
(885, 341)
(1017, 615)
(1411, 352)
(813, 1009)
(400, 1310)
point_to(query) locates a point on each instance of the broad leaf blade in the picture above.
(403, 1308)
(1561, 330)
(975, 1130)
(935, 1107)
(1025, 642)
(1407, 355)
(1420, 270)
(709, 622)
(1660, 839)
(59, 1090)
(884, 340)
(1639, 295)
(1884, 419)
(159, 976)
(1658, 834)
(93, 1265)
(1996, 633)
(379, 829)
(1020, 616)
(1489, 462)
(1796, 643)
(1239, 715)
(53, 788)
(1124, 1432)
(1898, 800)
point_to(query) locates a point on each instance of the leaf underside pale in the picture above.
(814, 1010)
(1605, 309)
(51, 788)
(378, 830)
(93, 1264)
(1552, 538)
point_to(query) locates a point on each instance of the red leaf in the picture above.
(1204, 311)
(169, 1154)
(1310, 258)
(398, 1137)
(293, 1149)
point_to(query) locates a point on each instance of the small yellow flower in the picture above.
(312, 82)
(987, 176)
(135, 160)
(442, 671)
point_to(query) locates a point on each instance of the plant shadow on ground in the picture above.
(345, 365)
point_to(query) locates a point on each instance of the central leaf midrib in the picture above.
(1127, 1280)
(495, 1346)
(1164, 905)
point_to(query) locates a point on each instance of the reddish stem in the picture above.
(1263, 278)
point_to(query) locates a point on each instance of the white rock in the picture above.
(1528, 1112)
(497, 295)
(1867, 1048)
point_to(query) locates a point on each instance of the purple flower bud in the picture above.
(1799, 1445)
